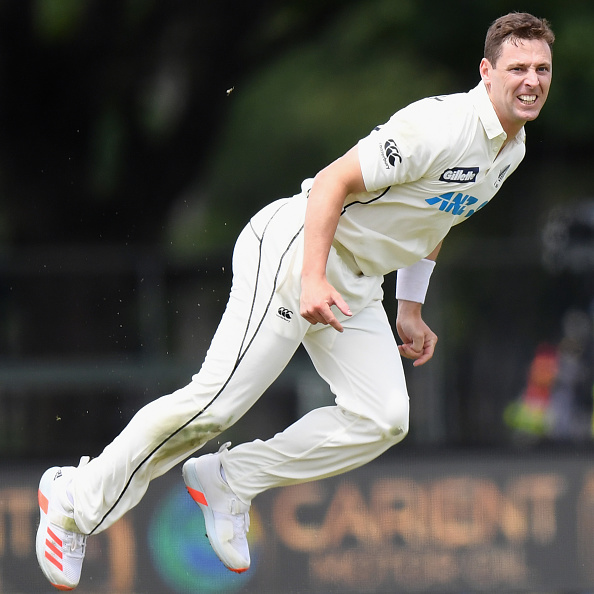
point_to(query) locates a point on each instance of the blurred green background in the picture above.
(136, 139)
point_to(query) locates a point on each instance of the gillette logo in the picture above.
(460, 175)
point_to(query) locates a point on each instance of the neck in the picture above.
(511, 132)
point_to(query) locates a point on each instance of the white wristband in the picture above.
(412, 282)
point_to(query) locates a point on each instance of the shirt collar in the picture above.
(487, 115)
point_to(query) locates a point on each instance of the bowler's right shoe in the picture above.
(60, 547)
(225, 515)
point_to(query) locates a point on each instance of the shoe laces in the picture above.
(241, 515)
(242, 522)
(78, 542)
(240, 518)
(241, 525)
(74, 543)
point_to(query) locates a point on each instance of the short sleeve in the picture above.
(405, 148)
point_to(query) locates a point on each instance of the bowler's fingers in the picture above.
(323, 313)
(419, 356)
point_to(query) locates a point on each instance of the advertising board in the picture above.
(407, 524)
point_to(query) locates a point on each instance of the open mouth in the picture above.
(527, 99)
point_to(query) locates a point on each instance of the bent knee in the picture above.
(399, 431)
(392, 425)
(394, 421)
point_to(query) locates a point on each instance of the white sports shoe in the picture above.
(60, 547)
(225, 515)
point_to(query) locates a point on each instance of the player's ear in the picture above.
(485, 69)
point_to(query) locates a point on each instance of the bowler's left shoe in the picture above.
(59, 545)
(225, 515)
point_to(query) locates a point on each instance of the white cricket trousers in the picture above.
(258, 334)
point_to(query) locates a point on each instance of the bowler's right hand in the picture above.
(317, 298)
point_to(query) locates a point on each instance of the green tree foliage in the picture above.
(152, 121)
(306, 107)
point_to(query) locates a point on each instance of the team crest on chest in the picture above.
(501, 176)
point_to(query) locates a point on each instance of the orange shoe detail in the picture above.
(60, 552)
(55, 550)
(56, 539)
(54, 561)
(197, 496)
(50, 547)
(43, 502)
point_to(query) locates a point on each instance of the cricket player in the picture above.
(308, 270)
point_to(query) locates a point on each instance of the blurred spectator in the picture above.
(557, 400)
(529, 414)
(571, 398)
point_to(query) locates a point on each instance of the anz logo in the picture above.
(456, 203)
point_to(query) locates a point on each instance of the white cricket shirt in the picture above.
(431, 166)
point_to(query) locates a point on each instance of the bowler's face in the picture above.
(518, 84)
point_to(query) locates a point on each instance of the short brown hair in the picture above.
(515, 26)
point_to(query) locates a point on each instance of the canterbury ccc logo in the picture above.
(392, 152)
(285, 313)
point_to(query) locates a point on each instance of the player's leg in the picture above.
(251, 347)
(166, 431)
(364, 369)
(248, 352)
(363, 366)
